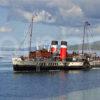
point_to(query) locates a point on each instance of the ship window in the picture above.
(69, 59)
(56, 64)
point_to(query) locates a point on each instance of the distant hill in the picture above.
(94, 46)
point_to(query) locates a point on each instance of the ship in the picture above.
(56, 58)
(44, 60)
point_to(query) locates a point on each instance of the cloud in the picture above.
(66, 13)
(58, 12)
(90, 8)
(4, 3)
(39, 16)
(5, 29)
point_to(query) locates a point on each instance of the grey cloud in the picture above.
(90, 8)
(62, 12)
(57, 12)
(63, 8)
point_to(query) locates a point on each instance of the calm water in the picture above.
(72, 85)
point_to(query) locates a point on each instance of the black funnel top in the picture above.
(63, 43)
(54, 43)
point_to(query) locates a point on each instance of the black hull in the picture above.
(31, 68)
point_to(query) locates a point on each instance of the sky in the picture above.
(53, 20)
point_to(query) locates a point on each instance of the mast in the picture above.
(85, 27)
(31, 31)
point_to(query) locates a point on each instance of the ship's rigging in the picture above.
(86, 24)
(87, 39)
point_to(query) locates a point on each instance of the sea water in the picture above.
(54, 85)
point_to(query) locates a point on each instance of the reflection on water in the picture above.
(90, 94)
